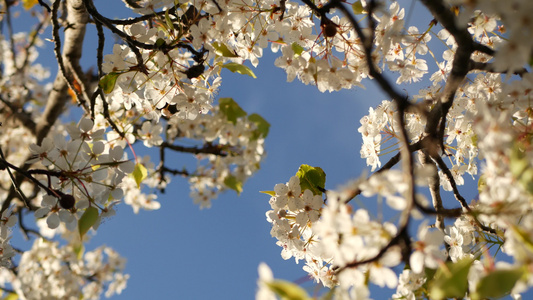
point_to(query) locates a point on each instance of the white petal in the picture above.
(86, 125)
(65, 216)
(53, 221)
(265, 273)
(41, 212)
(417, 262)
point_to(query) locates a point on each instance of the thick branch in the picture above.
(436, 120)
(489, 67)
(74, 35)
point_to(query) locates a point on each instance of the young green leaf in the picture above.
(497, 284)
(297, 49)
(288, 290)
(87, 220)
(357, 8)
(223, 50)
(107, 83)
(28, 4)
(11, 296)
(139, 174)
(233, 183)
(523, 236)
(231, 109)
(78, 250)
(451, 280)
(263, 126)
(239, 68)
(312, 178)
(521, 168)
(168, 20)
(271, 193)
(481, 183)
(518, 162)
(160, 43)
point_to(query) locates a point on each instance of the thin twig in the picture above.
(8, 167)
(489, 67)
(434, 190)
(206, 149)
(458, 195)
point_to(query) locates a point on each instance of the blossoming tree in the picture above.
(158, 88)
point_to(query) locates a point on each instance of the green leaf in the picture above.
(518, 162)
(11, 296)
(287, 290)
(139, 174)
(312, 178)
(87, 220)
(168, 20)
(523, 237)
(271, 193)
(451, 280)
(231, 109)
(263, 127)
(107, 83)
(481, 183)
(497, 284)
(297, 49)
(78, 250)
(238, 68)
(233, 183)
(223, 50)
(159, 43)
(521, 167)
(474, 140)
(357, 8)
(28, 4)
(430, 273)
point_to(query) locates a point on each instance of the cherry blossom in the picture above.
(458, 102)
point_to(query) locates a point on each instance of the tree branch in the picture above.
(489, 67)
(434, 189)
(57, 99)
(456, 193)
(74, 35)
(206, 149)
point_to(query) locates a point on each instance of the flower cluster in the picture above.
(49, 270)
(82, 172)
(329, 237)
(293, 217)
(7, 252)
(232, 153)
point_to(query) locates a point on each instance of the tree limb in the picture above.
(58, 97)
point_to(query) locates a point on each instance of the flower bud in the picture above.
(67, 201)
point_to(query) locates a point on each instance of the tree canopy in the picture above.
(457, 105)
